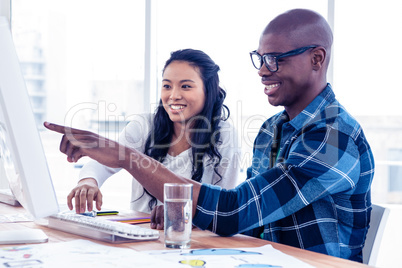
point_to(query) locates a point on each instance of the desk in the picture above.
(199, 239)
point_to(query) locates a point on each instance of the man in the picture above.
(309, 185)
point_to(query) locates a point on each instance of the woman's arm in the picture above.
(230, 165)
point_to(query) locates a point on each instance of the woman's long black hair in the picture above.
(202, 142)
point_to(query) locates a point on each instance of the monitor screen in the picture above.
(21, 150)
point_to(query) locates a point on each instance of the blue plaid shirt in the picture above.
(315, 197)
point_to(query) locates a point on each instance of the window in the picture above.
(395, 176)
(83, 62)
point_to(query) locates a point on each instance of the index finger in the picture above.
(63, 129)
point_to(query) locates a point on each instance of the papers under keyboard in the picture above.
(100, 229)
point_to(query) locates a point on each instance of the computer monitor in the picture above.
(21, 150)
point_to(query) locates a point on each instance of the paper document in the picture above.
(83, 253)
(265, 256)
(77, 253)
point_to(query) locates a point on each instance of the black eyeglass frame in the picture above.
(263, 58)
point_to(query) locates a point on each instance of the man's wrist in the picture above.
(135, 161)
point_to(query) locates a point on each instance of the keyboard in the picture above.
(100, 229)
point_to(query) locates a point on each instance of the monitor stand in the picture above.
(7, 197)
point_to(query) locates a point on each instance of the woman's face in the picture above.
(182, 92)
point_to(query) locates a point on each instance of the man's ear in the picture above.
(318, 58)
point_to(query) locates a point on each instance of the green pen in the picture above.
(107, 212)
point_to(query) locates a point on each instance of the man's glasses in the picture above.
(271, 60)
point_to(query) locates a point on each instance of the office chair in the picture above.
(379, 217)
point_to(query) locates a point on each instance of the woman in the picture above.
(188, 133)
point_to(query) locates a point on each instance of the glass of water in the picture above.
(178, 219)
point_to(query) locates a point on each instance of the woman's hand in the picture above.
(157, 217)
(84, 194)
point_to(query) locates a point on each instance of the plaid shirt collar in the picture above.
(326, 97)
